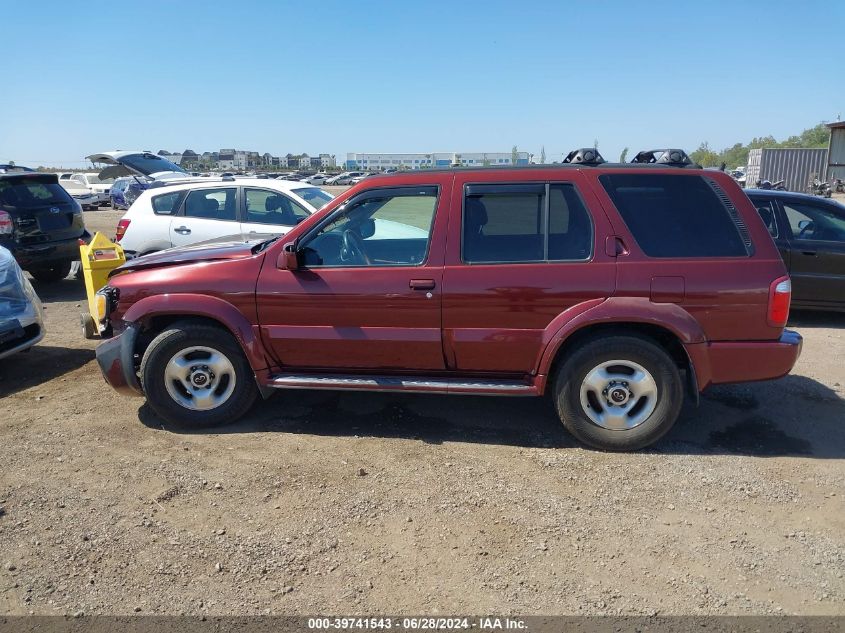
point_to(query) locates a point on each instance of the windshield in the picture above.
(149, 164)
(314, 196)
(31, 192)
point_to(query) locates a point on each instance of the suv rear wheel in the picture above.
(196, 375)
(619, 393)
(52, 274)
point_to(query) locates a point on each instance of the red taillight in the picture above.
(122, 225)
(6, 225)
(780, 295)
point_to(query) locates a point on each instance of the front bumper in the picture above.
(116, 358)
(26, 330)
(745, 361)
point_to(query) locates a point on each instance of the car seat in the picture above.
(279, 211)
(475, 219)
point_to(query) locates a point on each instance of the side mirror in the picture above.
(288, 258)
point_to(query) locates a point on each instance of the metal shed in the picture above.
(836, 151)
(796, 166)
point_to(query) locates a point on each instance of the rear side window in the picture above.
(525, 223)
(676, 216)
(166, 203)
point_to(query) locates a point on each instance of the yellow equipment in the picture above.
(99, 258)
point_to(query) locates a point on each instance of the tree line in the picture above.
(737, 154)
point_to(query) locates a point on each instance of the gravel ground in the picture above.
(383, 503)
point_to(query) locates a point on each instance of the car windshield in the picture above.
(314, 196)
(149, 164)
(31, 192)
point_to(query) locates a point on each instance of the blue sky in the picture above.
(412, 76)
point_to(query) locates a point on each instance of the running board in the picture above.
(402, 383)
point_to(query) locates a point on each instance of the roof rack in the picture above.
(584, 156)
(672, 157)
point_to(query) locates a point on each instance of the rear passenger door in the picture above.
(267, 211)
(520, 254)
(206, 214)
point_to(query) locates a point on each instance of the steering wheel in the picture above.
(809, 229)
(352, 250)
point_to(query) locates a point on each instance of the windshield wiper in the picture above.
(262, 245)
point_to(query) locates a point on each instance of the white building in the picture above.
(327, 160)
(376, 161)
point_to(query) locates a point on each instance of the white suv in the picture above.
(194, 211)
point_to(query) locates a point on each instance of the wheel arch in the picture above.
(155, 313)
(668, 325)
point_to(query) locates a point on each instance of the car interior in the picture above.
(356, 238)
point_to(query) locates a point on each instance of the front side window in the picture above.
(675, 215)
(525, 223)
(817, 223)
(212, 204)
(271, 207)
(391, 227)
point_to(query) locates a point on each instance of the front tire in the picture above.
(619, 393)
(196, 375)
(52, 274)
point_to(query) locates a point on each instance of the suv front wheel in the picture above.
(196, 375)
(619, 393)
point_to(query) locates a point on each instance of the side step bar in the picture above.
(402, 383)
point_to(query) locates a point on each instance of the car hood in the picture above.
(137, 163)
(234, 247)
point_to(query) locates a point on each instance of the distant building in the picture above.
(836, 151)
(327, 160)
(378, 162)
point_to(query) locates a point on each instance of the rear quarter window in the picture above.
(166, 203)
(676, 216)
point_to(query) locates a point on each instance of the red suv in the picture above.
(613, 288)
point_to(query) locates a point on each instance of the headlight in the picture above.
(101, 302)
(105, 301)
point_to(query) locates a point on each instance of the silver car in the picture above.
(21, 314)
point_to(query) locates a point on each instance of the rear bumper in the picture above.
(37, 255)
(116, 358)
(745, 361)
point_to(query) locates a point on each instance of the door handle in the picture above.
(422, 284)
(183, 230)
(809, 253)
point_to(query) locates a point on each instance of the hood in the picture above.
(137, 163)
(234, 247)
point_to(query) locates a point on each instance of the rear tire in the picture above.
(53, 273)
(196, 375)
(619, 393)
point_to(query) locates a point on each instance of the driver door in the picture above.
(367, 295)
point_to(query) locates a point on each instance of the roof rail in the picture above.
(584, 156)
(672, 157)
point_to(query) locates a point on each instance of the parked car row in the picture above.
(584, 282)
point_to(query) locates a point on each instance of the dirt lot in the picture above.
(374, 503)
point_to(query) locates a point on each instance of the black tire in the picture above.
(639, 350)
(52, 274)
(183, 335)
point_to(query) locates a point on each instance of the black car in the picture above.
(40, 224)
(810, 233)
